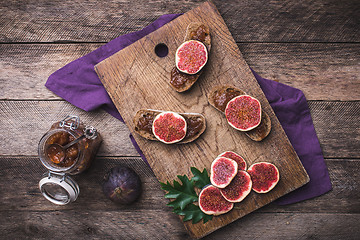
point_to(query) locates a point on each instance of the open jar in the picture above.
(56, 185)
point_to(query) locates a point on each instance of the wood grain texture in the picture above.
(315, 68)
(23, 123)
(136, 83)
(255, 21)
(150, 218)
(312, 45)
(344, 175)
(109, 225)
(128, 225)
(25, 116)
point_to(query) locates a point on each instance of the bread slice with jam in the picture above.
(143, 121)
(180, 81)
(219, 97)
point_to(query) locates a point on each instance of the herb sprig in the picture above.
(184, 195)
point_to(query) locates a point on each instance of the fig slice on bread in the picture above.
(243, 113)
(191, 57)
(144, 119)
(169, 127)
(181, 81)
(219, 98)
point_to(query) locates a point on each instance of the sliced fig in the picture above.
(180, 81)
(239, 187)
(169, 127)
(191, 57)
(223, 170)
(264, 176)
(243, 112)
(220, 96)
(212, 202)
(143, 121)
(261, 131)
(236, 157)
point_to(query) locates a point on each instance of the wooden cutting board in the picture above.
(137, 78)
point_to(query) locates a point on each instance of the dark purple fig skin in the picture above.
(122, 185)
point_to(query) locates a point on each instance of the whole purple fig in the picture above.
(122, 185)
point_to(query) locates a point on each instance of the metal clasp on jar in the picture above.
(70, 121)
(90, 132)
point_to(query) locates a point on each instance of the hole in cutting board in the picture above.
(161, 50)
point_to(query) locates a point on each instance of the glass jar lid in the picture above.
(59, 188)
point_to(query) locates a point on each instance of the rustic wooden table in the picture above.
(311, 45)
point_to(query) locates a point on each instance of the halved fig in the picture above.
(180, 81)
(220, 96)
(223, 170)
(264, 176)
(261, 131)
(191, 57)
(169, 127)
(239, 187)
(236, 157)
(144, 118)
(243, 112)
(212, 202)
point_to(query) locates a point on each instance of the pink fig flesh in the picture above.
(264, 176)
(223, 170)
(169, 127)
(243, 113)
(191, 57)
(236, 157)
(212, 202)
(239, 187)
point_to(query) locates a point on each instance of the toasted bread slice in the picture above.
(260, 132)
(180, 81)
(217, 91)
(192, 28)
(143, 124)
(221, 95)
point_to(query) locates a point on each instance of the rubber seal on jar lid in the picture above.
(59, 188)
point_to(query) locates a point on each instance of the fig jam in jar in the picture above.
(84, 141)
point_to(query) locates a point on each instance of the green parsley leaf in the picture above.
(183, 193)
(200, 179)
(194, 213)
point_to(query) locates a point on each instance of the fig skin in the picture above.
(236, 157)
(122, 185)
(165, 115)
(179, 59)
(238, 118)
(211, 201)
(264, 176)
(239, 187)
(223, 170)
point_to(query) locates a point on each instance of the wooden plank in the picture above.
(347, 120)
(143, 225)
(24, 116)
(24, 174)
(133, 224)
(23, 123)
(25, 68)
(136, 83)
(292, 226)
(315, 68)
(255, 21)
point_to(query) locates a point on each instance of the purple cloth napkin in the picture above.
(78, 83)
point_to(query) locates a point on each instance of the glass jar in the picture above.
(56, 185)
